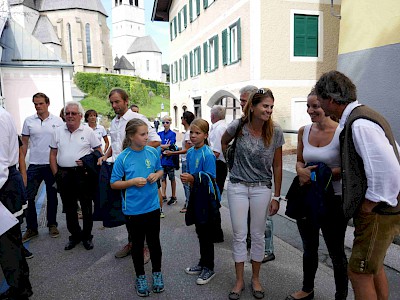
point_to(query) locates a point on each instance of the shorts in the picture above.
(158, 183)
(170, 171)
(373, 234)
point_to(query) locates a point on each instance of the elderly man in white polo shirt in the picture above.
(69, 144)
(119, 101)
(37, 132)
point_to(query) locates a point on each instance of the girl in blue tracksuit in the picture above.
(201, 158)
(136, 171)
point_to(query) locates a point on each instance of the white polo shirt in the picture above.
(40, 134)
(72, 146)
(216, 133)
(117, 131)
(8, 145)
(99, 131)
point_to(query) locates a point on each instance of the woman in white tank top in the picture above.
(319, 142)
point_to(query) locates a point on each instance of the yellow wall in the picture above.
(381, 28)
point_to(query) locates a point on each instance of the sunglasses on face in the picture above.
(71, 113)
(165, 122)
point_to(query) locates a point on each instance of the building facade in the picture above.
(369, 53)
(74, 30)
(220, 46)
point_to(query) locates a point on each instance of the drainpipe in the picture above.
(62, 83)
(333, 12)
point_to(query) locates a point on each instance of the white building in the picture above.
(27, 66)
(129, 39)
(219, 46)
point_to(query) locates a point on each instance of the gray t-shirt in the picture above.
(253, 160)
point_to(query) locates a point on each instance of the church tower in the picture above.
(127, 24)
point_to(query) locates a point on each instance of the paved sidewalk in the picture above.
(96, 274)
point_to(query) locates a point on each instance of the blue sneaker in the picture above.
(141, 286)
(158, 282)
(195, 270)
(205, 276)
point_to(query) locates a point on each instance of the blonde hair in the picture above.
(167, 118)
(130, 129)
(255, 98)
(202, 125)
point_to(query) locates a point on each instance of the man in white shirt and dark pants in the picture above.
(37, 132)
(69, 144)
(370, 179)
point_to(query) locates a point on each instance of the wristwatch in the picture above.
(277, 198)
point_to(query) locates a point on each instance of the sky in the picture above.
(159, 31)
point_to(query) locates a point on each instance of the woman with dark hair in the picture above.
(99, 130)
(319, 142)
(258, 152)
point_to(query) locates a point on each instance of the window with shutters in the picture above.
(194, 9)
(231, 44)
(210, 51)
(184, 67)
(306, 36)
(173, 28)
(195, 62)
(182, 19)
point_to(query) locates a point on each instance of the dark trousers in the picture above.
(205, 236)
(141, 227)
(222, 172)
(13, 262)
(333, 227)
(36, 174)
(74, 187)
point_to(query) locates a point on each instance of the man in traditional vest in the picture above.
(370, 182)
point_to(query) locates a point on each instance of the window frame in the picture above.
(88, 43)
(194, 10)
(195, 62)
(228, 44)
(211, 54)
(320, 15)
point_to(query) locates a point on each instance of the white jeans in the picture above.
(241, 198)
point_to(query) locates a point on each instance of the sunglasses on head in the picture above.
(165, 122)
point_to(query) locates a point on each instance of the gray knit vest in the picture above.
(354, 181)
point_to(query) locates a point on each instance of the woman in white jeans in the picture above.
(258, 156)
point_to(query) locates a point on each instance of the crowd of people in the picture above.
(341, 156)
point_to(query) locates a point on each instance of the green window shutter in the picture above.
(191, 63)
(198, 7)
(180, 69)
(216, 52)
(191, 10)
(205, 55)
(170, 31)
(205, 4)
(239, 40)
(186, 66)
(305, 35)
(312, 36)
(171, 70)
(175, 27)
(199, 60)
(179, 22)
(224, 37)
(185, 16)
